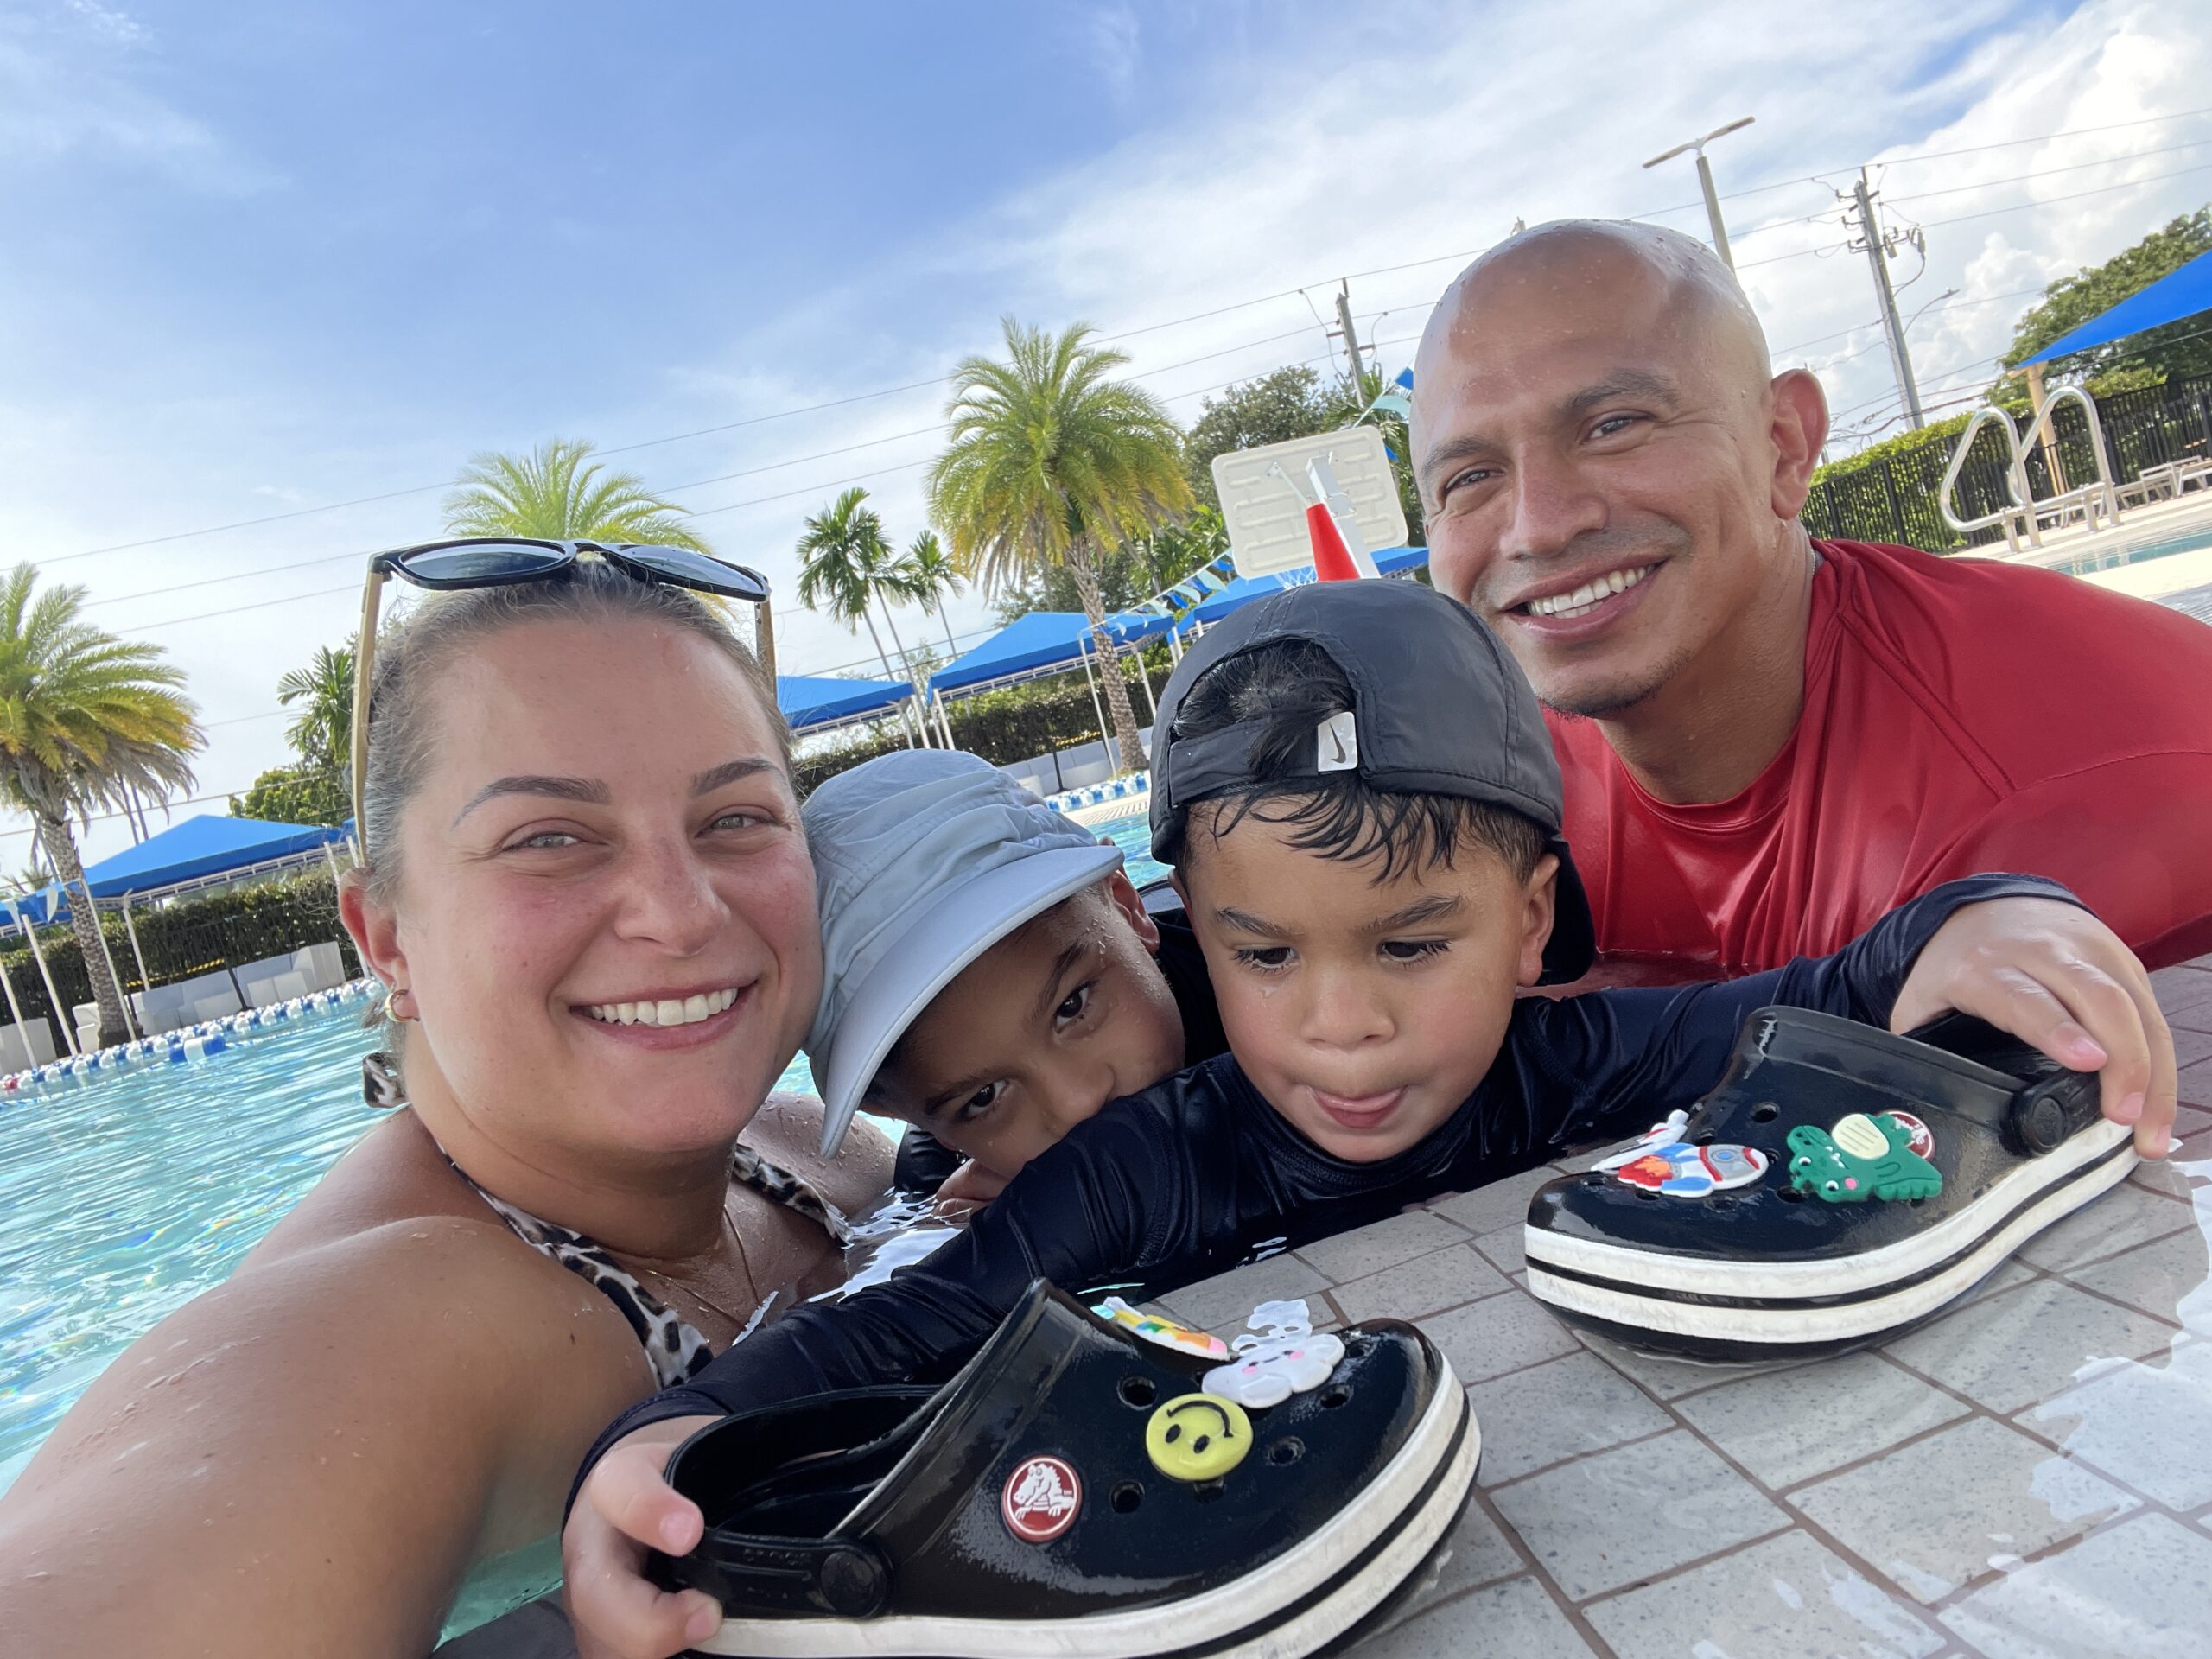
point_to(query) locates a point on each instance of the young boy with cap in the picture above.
(989, 976)
(1356, 786)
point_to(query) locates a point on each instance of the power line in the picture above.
(628, 448)
(2049, 172)
(723, 478)
(2077, 195)
(1129, 333)
(703, 512)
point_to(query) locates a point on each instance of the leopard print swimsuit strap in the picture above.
(674, 1347)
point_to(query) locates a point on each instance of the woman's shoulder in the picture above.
(787, 1132)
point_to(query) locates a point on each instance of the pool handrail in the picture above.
(2016, 481)
(2023, 511)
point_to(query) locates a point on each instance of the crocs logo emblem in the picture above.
(1040, 1500)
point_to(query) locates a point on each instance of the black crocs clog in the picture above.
(1837, 1186)
(1076, 1491)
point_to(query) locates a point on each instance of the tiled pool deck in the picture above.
(2030, 1476)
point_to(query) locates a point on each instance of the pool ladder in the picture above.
(2022, 512)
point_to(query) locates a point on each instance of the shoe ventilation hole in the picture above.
(1916, 1203)
(1125, 1497)
(1594, 1179)
(1206, 1490)
(1704, 1137)
(1764, 1112)
(1138, 1391)
(1647, 1195)
(1790, 1195)
(1360, 1347)
(1720, 1201)
(1336, 1396)
(1287, 1451)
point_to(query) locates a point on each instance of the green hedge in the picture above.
(1004, 726)
(182, 938)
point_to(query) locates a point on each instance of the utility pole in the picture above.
(1350, 336)
(1879, 249)
(1704, 183)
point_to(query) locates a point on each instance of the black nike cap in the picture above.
(1438, 709)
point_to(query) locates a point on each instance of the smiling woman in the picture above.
(590, 898)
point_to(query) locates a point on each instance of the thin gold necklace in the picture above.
(745, 1265)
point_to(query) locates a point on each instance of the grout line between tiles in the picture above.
(1574, 1458)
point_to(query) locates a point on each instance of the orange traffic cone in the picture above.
(1333, 560)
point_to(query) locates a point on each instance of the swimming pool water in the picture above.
(123, 1196)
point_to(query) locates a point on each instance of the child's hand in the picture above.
(2055, 975)
(970, 1187)
(626, 1506)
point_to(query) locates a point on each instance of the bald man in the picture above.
(1769, 741)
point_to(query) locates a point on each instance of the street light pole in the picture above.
(1704, 183)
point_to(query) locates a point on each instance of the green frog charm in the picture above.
(1863, 1158)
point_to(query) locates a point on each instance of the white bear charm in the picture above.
(1285, 1358)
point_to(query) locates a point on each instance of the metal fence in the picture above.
(1895, 498)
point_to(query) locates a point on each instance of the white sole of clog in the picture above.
(1370, 1548)
(1795, 1304)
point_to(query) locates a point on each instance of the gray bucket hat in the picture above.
(923, 861)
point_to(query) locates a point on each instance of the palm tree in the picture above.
(846, 566)
(85, 718)
(1051, 463)
(555, 493)
(930, 579)
(323, 734)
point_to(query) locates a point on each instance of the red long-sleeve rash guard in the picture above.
(1961, 714)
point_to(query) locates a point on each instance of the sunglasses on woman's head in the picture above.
(496, 561)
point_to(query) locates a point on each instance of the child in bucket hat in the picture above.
(1357, 790)
(990, 977)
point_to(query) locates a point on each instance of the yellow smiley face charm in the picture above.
(1197, 1437)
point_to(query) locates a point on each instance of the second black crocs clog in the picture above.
(1837, 1186)
(1077, 1491)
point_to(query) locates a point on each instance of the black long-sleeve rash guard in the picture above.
(1181, 1181)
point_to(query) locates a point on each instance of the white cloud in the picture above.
(67, 89)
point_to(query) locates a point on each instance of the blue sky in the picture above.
(262, 258)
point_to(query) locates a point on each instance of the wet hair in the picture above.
(1294, 685)
(405, 711)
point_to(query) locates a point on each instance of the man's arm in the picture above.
(2132, 838)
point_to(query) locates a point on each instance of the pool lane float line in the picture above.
(195, 1042)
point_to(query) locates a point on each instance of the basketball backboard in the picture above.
(1265, 491)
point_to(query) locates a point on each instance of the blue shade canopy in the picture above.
(1048, 639)
(808, 700)
(208, 844)
(1042, 639)
(1245, 590)
(2179, 294)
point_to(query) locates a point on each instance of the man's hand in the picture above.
(2055, 977)
(626, 1508)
